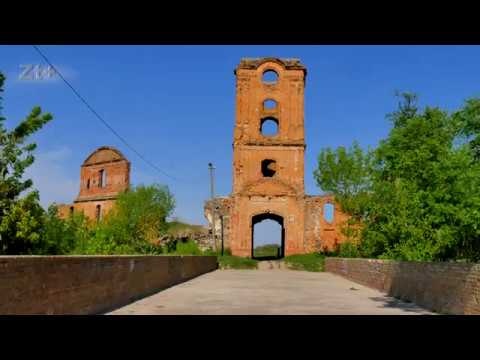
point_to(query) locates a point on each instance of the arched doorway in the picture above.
(269, 241)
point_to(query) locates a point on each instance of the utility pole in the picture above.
(212, 194)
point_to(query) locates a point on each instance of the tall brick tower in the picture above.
(268, 165)
(268, 151)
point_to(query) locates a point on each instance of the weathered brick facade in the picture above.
(450, 288)
(268, 169)
(103, 175)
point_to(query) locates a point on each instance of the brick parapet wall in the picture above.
(450, 288)
(89, 284)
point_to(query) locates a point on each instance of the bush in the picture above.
(308, 262)
(236, 262)
(133, 226)
(185, 248)
(140, 214)
(349, 250)
(62, 236)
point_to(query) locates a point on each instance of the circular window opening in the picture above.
(269, 167)
(269, 126)
(269, 104)
(270, 77)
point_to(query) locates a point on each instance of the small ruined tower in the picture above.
(103, 175)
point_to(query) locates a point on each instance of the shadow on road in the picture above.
(388, 302)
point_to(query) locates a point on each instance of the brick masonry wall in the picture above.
(89, 284)
(449, 288)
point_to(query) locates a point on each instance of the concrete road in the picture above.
(270, 292)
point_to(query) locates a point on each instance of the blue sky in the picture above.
(175, 104)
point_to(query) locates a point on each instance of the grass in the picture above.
(236, 262)
(307, 262)
(175, 227)
(269, 250)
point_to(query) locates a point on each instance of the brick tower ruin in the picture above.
(103, 175)
(268, 164)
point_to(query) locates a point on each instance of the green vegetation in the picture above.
(20, 217)
(228, 261)
(176, 227)
(268, 250)
(308, 262)
(417, 195)
(236, 262)
(185, 248)
(132, 227)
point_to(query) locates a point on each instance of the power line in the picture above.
(122, 139)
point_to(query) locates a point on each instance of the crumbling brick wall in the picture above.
(320, 234)
(217, 209)
(103, 175)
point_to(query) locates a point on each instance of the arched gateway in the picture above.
(281, 244)
(268, 164)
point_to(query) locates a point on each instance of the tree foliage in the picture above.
(346, 172)
(20, 218)
(134, 225)
(420, 188)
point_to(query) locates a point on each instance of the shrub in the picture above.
(349, 250)
(236, 262)
(62, 236)
(185, 248)
(308, 262)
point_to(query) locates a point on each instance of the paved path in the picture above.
(269, 292)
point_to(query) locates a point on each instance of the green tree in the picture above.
(20, 219)
(347, 173)
(21, 226)
(469, 122)
(62, 236)
(426, 189)
(422, 197)
(134, 224)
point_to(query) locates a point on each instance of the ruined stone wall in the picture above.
(321, 235)
(221, 206)
(117, 180)
(450, 288)
(88, 208)
(89, 284)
